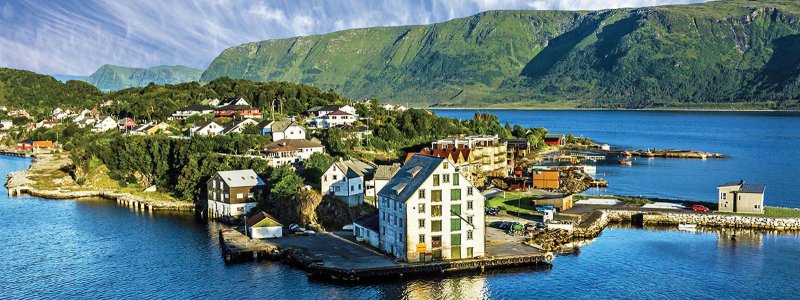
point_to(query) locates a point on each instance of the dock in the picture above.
(333, 256)
(16, 153)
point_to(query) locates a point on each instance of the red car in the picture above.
(699, 208)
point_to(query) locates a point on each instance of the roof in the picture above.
(516, 141)
(291, 145)
(263, 124)
(241, 178)
(28, 141)
(235, 107)
(404, 184)
(554, 136)
(732, 183)
(339, 112)
(202, 124)
(229, 101)
(323, 108)
(371, 221)
(196, 107)
(233, 125)
(354, 168)
(280, 126)
(262, 219)
(752, 188)
(385, 172)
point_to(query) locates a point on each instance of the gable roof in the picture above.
(241, 178)
(203, 124)
(385, 172)
(554, 136)
(404, 184)
(280, 126)
(752, 188)
(262, 219)
(354, 168)
(339, 112)
(323, 108)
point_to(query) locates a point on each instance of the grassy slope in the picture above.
(733, 52)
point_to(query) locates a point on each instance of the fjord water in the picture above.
(764, 147)
(68, 249)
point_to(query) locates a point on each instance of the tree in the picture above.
(286, 183)
(315, 166)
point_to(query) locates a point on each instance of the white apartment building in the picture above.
(429, 211)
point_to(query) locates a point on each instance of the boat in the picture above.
(649, 154)
(625, 162)
(687, 226)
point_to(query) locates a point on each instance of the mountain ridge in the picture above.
(112, 77)
(718, 53)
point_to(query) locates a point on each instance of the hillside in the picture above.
(722, 54)
(112, 78)
(41, 93)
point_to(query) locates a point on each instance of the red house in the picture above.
(555, 140)
(30, 144)
(126, 123)
(245, 111)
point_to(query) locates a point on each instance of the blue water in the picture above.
(67, 249)
(764, 148)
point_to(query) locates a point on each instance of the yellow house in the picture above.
(741, 197)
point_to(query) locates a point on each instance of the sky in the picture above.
(78, 36)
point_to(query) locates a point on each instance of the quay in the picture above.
(16, 153)
(334, 256)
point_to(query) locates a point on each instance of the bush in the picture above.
(81, 181)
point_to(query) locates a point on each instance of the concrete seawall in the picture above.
(707, 220)
(123, 199)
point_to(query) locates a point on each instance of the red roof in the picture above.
(339, 112)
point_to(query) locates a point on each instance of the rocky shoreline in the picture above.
(24, 182)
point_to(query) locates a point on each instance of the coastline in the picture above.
(25, 182)
(611, 109)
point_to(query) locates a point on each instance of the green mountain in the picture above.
(67, 77)
(720, 54)
(112, 78)
(39, 94)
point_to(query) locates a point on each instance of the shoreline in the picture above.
(614, 109)
(21, 182)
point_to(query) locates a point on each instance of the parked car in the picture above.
(492, 211)
(545, 207)
(698, 207)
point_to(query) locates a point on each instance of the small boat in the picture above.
(627, 162)
(687, 226)
(650, 154)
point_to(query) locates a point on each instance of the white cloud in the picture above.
(77, 36)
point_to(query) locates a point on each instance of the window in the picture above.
(334, 177)
(455, 209)
(446, 178)
(469, 220)
(435, 180)
(436, 241)
(421, 208)
(446, 165)
(455, 239)
(469, 205)
(421, 223)
(436, 226)
(469, 252)
(469, 235)
(436, 196)
(421, 194)
(455, 179)
(325, 178)
(336, 188)
(455, 195)
(469, 191)
(436, 210)
(422, 239)
(352, 188)
(239, 196)
(455, 224)
(359, 186)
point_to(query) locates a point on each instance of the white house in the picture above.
(383, 174)
(263, 226)
(284, 152)
(105, 124)
(367, 230)
(233, 101)
(192, 110)
(345, 181)
(236, 126)
(284, 130)
(207, 128)
(333, 119)
(232, 194)
(429, 211)
(6, 124)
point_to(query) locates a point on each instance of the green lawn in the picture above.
(515, 202)
(781, 212)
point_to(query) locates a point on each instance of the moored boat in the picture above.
(627, 162)
(687, 226)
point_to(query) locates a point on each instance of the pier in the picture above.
(16, 153)
(332, 256)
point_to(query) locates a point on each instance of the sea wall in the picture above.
(704, 219)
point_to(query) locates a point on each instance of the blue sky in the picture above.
(78, 36)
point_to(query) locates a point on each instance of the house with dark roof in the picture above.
(287, 129)
(232, 194)
(237, 126)
(429, 211)
(367, 230)
(192, 110)
(741, 197)
(207, 128)
(345, 180)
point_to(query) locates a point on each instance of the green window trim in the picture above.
(436, 226)
(455, 224)
(455, 195)
(455, 178)
(455, 239)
